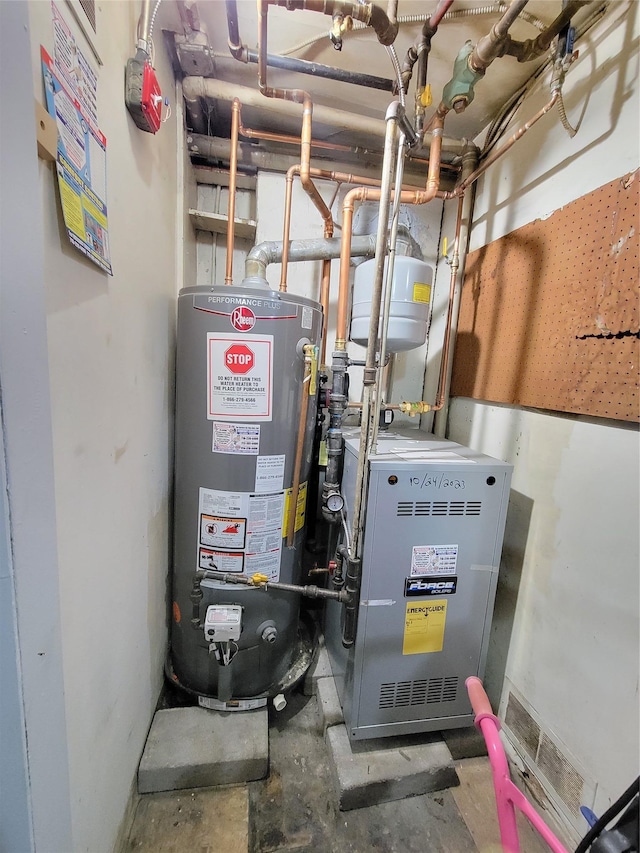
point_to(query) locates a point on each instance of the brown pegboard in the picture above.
(550, 314)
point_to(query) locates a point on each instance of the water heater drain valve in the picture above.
(223, 623)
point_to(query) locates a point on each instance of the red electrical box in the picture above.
(143, 96)
(151, 98)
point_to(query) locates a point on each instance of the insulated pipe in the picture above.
(270, 252)
(208, 87)
(369, 376)
(231, 207)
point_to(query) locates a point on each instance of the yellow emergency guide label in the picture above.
(421, 292)
(301, 509)
(424, 627)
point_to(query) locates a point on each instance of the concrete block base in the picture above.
(329, 710)
(372, 772)
(197, 748)
(320, 668)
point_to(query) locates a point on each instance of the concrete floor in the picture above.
(295, 809)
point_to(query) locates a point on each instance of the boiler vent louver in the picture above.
(401, 694)
(407, 509)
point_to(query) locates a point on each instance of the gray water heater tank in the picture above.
(239, 386)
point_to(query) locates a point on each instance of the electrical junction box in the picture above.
(143, 96)
(223, 623)
(434, 524)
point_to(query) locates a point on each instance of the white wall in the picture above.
(572, 531)
(110, 343)
(304, 278)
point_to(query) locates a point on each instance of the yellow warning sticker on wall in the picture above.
(424, 627)
(300, 509)
(421, 292)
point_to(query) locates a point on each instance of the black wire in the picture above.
(622, 801)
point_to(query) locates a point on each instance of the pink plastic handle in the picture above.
(479, 699)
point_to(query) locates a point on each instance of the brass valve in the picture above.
(413, 409)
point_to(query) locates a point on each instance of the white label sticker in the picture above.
(241, 531)
(307, 318)
(269, 473)
(219, 561)
(239, 377)
(218, 532)
(264, 538)
(434, 560)
(241, 439)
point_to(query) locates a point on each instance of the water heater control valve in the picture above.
(223, 623)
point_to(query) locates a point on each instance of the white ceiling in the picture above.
(362, 52)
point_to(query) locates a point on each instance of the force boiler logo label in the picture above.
(430, 585)
(242, 318)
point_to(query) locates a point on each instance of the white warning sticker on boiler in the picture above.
(239, 377)
(239, 439)
(434, 560)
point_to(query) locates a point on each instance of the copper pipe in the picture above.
(287, 139)
(491, 159)
(305, 166)
(233, 172)
(325, 287)
(307, 116)
(287, 225)
(302, 428)
(366, 194)
(323, 174)
(455, 262)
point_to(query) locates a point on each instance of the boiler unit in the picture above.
(245, 415)
(434, 523)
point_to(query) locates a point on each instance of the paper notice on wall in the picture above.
(269, 473)
(220, 561)
(434, 560)
(74, 68)
(81, 166)
(239, 377)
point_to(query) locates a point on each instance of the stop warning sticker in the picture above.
(239, 377)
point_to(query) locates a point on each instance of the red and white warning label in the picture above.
(239, 377)
(218, 532)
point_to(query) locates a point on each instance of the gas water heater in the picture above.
(434, 523)
(240, 381)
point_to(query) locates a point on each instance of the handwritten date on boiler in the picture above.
(437, 481)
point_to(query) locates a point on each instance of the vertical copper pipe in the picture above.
(231, 207)
(287, 225)
(302, 428)
(455, 262)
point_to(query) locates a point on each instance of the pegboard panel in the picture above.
(549, 314)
